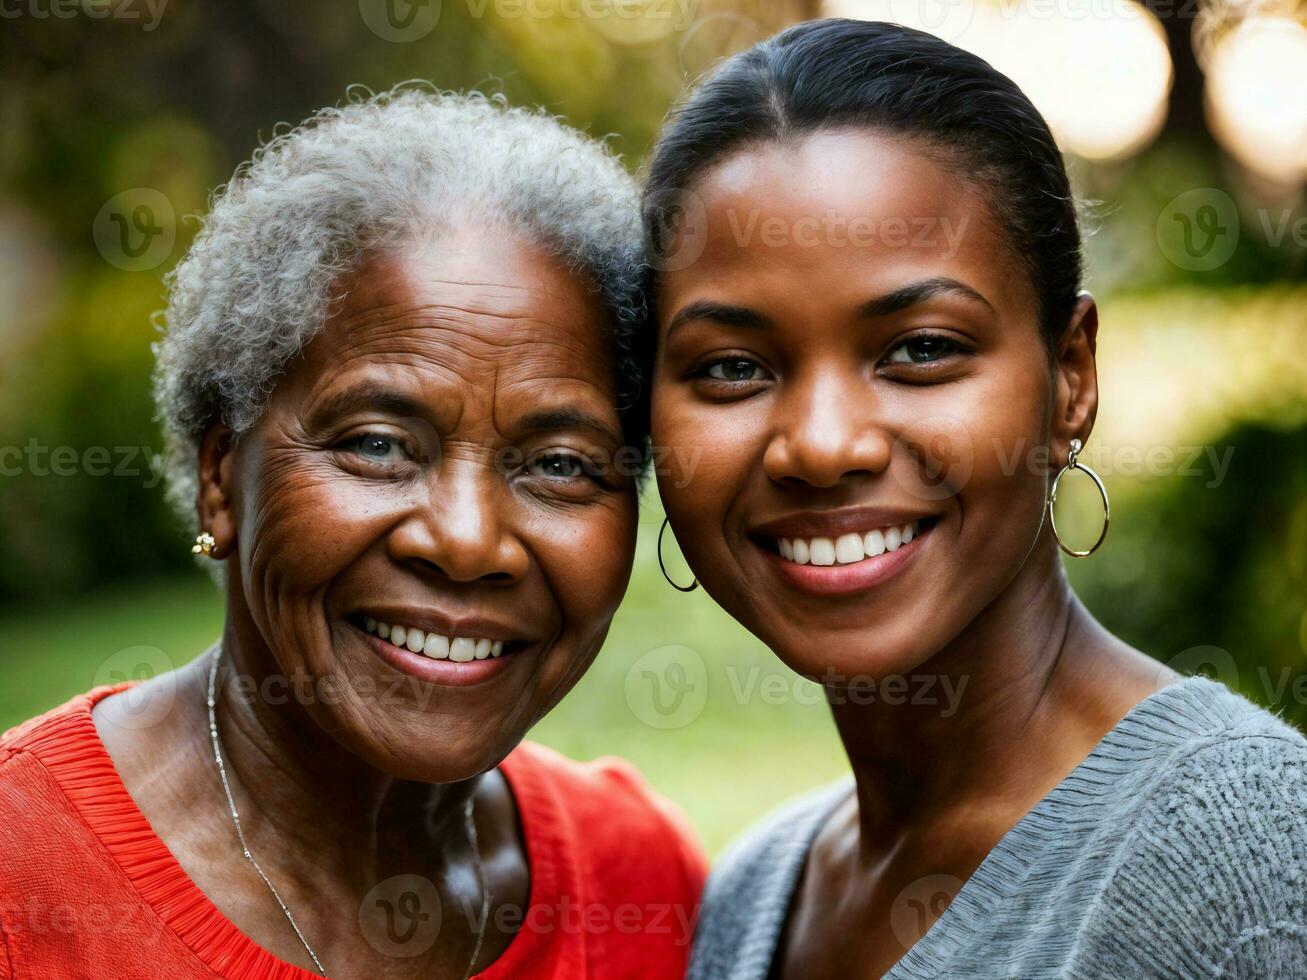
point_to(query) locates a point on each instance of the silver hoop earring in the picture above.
(1073, 464)
(679, 588)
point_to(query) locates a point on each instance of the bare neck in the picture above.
(1022, 696)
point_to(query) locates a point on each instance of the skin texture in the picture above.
(822, 406)
(422, 456)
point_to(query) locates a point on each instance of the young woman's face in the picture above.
(854, 366)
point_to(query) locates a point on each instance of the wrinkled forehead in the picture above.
(478, 311)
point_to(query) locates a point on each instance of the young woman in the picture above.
(870, 336)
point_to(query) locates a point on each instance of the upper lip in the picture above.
(435, 621)
(833, 523)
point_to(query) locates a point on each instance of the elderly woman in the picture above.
(397, 381)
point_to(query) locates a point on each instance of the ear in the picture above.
(214, 503)
(1076, 377)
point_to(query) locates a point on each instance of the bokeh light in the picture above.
(1256, 96)
(1100, 73)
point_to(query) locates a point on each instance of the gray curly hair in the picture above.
(257, 283)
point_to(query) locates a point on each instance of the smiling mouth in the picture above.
(437, 646)
(850, 548)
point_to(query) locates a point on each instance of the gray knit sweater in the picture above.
(1177, 849)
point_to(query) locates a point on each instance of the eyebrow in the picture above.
(570, 417)
(723, 313)
(367, 394)
(892, 302)
(917, 292)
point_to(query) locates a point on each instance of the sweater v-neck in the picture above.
(1173, 715)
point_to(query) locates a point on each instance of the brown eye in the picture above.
(734, 369)
(559, 466)
(923, 349)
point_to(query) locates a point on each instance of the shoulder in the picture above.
(43, 841)
(56, 738)
(1242, 763)
(1218, 849)
(624, 834)
(42, 760)
(749, 891)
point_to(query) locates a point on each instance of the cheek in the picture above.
(302, 520)
(585, 558)
(704, 455)
(996, 448)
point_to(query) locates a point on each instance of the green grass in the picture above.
(722, 757)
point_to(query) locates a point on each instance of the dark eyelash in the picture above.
(584, 462)
(954, 345)
(701, 370)
(353, 446)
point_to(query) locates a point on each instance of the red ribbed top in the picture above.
(88, 889)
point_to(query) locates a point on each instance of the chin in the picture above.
(423, 746)
(445, 763)
(837, 657)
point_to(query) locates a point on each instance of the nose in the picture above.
(459, 530)
(826, 430)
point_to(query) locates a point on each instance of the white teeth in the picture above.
(847, 549)
(822, 551)
(434, 645)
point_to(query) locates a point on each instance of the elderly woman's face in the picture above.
(441, 461)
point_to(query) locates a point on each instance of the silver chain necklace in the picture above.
(469, 823)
